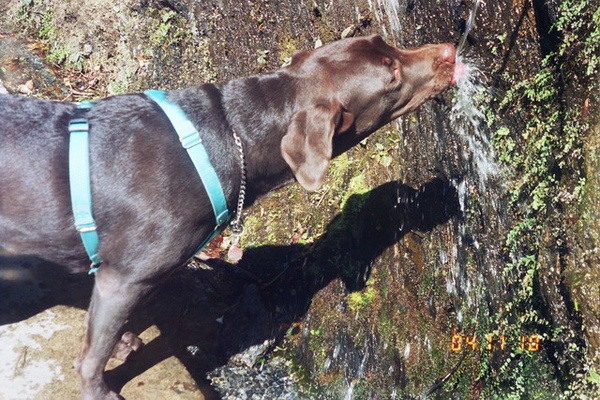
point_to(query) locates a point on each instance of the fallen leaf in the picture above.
(142, 61)
(585, 108)
(27, 88)
(349, 31)
(213, 249)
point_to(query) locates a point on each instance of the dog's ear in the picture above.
(307, 146)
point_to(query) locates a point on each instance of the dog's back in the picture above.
(139, 173)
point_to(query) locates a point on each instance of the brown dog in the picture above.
(150, 207)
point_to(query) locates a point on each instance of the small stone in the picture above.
(235, 254)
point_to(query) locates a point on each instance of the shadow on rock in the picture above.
(218, 312)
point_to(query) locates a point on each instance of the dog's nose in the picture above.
(448, 53)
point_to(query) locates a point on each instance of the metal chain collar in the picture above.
(237, 226)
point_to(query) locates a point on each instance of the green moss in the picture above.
(360, 301)
(135, 49)
(288, 47)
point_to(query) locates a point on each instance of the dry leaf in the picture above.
(26, 88)
(349, 31)
(142, 61)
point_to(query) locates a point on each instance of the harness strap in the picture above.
(79, 172)
(192, 142)
(79, 183)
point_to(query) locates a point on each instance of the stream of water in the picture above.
(468, 120)
(480, 172)
(469, 26)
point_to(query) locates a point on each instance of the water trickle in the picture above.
(359, 374)
(480, 174)
(392, 16)
(471, 20)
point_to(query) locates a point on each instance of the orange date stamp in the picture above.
(460, 342)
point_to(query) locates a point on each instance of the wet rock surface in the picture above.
(271, 380)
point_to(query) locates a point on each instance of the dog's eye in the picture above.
(393, 67)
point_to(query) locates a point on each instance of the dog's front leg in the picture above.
(113, 299)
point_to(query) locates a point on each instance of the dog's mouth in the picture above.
(447, 74)
(448, 67)
(459, 71)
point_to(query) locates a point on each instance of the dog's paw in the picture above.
(128, 344)
(113, 396)
(98, 391)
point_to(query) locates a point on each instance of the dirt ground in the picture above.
(42, 327)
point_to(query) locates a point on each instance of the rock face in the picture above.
(455, 253)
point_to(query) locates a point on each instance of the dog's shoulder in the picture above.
(20, 115)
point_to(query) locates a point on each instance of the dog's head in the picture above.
(350, 88)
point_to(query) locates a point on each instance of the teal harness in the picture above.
(79, 181)
(79, 172)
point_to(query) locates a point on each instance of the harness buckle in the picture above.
(222, 218)
(86, 227)
(190, 140)
(79, 124)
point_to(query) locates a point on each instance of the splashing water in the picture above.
(468, 120)
(478, 190)
(481, 172)
(467, 115)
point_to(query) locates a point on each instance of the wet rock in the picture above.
(252, 355)
(272, 379)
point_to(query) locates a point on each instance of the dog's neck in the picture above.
(261, 131)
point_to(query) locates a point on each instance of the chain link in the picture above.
(237, 226)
